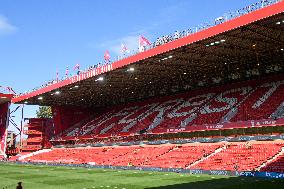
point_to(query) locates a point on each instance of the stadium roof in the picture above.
(6, 94)
(251, 45)
(5, 98)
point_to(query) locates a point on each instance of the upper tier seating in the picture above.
(247, 156)
(253, 100)
(269, 96)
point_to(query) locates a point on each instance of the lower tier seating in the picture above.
(277, 165)
(242, 156)
(182, 156)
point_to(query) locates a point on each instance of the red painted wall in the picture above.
(65, 117)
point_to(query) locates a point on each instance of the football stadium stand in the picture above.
(253, 100)
(212, 99)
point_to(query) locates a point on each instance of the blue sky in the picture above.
(39, 37)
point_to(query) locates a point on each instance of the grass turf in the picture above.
(47, 177)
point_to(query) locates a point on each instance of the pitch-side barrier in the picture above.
(271, 175)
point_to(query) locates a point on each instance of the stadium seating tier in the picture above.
(253, 100)
(241, 156)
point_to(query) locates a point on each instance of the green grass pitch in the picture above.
(47, 177)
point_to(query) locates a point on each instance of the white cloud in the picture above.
(131, 42)
(114, 45)
(5, 27)
(164, 16)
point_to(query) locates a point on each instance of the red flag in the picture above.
(67, 72)
(124, 49)
(77, 66)
(57, 76)
(107, 56)
(143, 41)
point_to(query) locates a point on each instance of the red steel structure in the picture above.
(5, 101)
(39, 131)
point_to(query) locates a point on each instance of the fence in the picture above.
(176, 170)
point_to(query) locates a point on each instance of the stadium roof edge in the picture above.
(5, 98)
(201, 35)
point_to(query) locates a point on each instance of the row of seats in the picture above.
(270, 97)
(241, 156)
(252, 100)
(182, 156)
(277, 165)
